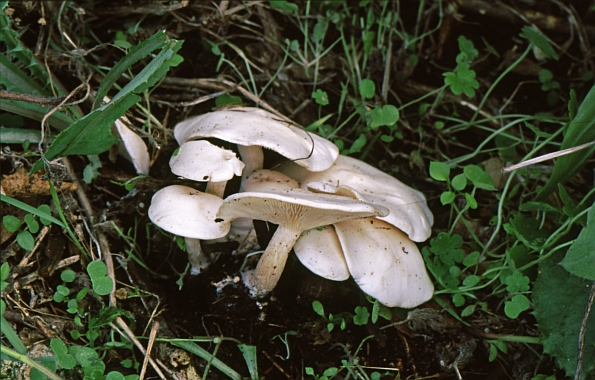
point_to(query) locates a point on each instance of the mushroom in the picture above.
(408, 209)
(253, 129)
(135, 150)
(190, 213)
(294, 211)
(242, 229)
(203, 161)
(382, 260)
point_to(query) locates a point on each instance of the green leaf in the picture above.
(32, 223)
(471, 280)
(560, 299)
(462, 79)
(320, 97)
(4, 272)
(284, 6)
(447, 197)
(479, 177)
(361, 316)
(11, 223)
(107, 315)
(466, 47)
(527, 230)
(26, 240)
(44, 210)
(66, 360)
(358, 144)
(318, 308)
(68, 275)
(91, 170)
(516, 282)
(448, 248)
(249, 353)
(580, 258)
(540, 41)
(516, 306)
(581, 130)
(227, 99)
(367, 88)
(439, 171)
(384, 116)
(471, 201)
(12, 336)
(138, 52)
(103, 285)
(459, 182)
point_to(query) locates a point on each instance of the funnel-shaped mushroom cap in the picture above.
(252, 126)
(203, 161)
(294, 211)
(268, 180)
(187, 212)
(408, 209)
(384, 262)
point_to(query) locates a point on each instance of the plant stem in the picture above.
(30, 362)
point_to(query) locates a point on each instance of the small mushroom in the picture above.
(294, 211)
(205, 162)
(253, 129)
(408, 209)
(190, 213)
(135, 150)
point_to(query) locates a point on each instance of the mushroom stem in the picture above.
(197, 258)
(216, 188)
(271, 264)
(252, 157)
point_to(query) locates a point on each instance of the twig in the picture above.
(546, 157)
(581, 336)
(149, 347)
(128, 334)
(41, 100)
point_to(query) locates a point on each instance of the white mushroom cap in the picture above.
(408, 209)
(384, 262)
(135, 150)
(255, 127)
(203, 161)
(187, 212)
(294, 211)
(268, 180)
(319, 250)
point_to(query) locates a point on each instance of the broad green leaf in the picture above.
(479, 177)
(97, 269)
(26, 240)
(284, 6)
(92, 133)
(466, 47)
(439, 171)
(516, 306)
(581, 130)
(527, 230)
(447, 197)
(385, 115)
(11, 223)
(367, 89)
(580, 258)
(560, 299)
(138, 52)
(103, 285)
(249, 353)
(540, 41)
(459, 182)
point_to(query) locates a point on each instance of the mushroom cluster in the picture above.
(342, 217)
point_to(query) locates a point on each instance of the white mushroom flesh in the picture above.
(203, 161)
